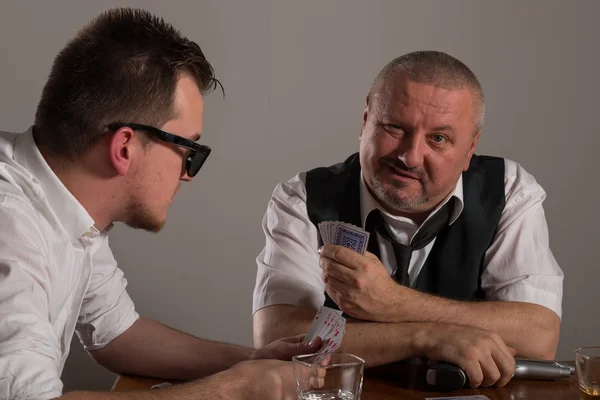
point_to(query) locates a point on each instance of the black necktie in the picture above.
(430, 229)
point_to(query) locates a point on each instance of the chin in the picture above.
(398, 197)
(158, 226)
(143, 218)
(159, 222)
(147, 225)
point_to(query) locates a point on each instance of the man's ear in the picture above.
(365, 116)
(121, 148)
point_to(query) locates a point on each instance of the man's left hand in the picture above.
(359, 285)
(286, 348)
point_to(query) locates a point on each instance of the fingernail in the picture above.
(320, 250)
(311, 343)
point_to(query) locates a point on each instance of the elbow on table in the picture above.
(543, 341)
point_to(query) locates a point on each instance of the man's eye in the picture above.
(439, 139)
(394, 129)
(393, 126)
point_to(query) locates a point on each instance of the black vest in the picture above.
(454, 266)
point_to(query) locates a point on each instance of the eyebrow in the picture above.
(442, 128)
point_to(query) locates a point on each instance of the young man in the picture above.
(115, 134)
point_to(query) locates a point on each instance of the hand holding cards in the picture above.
(330, 326)
(343, 234)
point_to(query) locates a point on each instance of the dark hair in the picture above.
(122, 66)
(438, 69)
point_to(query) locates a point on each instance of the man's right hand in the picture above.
(483, 355)
(274, 379)
(268, 379)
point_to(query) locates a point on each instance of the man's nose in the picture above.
(411, 150)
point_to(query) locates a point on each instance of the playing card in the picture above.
(333, 340)
(343, 234)
(314, 327)
(352, 237)
(332, 333)
(330, 326)
(474, 397)
(332, 321)
(324, 231)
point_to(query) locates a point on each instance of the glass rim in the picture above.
(357, 360)
(580, 351)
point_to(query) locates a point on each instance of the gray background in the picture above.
(296, 74)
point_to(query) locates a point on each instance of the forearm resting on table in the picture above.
(377, 343)
(532, 330)
(149, 348)
(224, 385)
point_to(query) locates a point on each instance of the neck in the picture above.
(90, 189)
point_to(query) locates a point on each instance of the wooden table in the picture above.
(402, 382)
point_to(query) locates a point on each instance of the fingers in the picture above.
(294, 339)
(474, 372)
(343, 255)
(317, 379)
(506, 366)
(286, 348)
(325, 361)
(505, 361)
(302, 348)
(335, 285)
(496, 363)
(507, 353)
(483, 356)
(311, 376)
(337, 270)
(310, 347)
(299, 339)
(317, 382)
(371, 256)
(490, 370)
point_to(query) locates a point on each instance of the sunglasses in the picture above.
(194, 160)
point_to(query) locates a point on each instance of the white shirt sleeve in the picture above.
(30, 356)
(107, 310)
(519, 263)
(288, 267)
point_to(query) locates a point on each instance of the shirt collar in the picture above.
(368, 203)
(73, 217)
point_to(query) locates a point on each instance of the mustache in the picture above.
(400, 166)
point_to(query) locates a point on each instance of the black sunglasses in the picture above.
(198, 152)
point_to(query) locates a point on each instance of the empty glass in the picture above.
(328, 376)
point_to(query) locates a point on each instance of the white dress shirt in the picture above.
(57, 275)
(519, 265)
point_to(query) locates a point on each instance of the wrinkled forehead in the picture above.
(395, 95)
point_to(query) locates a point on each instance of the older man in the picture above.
(448, 229)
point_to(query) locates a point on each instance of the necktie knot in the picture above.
(426, 233)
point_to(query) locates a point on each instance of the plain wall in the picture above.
(296, 74)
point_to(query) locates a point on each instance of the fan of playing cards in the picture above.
(330, 326)
(343, 234)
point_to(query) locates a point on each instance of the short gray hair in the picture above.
(438, 69)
